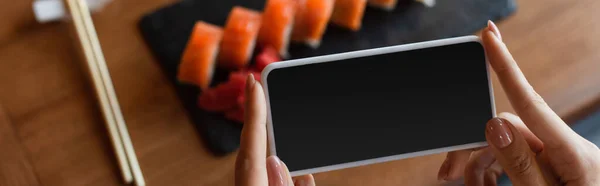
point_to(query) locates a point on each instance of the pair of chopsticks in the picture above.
(109, 104)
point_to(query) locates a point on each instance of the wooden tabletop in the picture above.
(53, 131)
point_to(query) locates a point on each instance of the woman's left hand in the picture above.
(252, 167)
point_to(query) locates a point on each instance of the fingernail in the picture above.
(443, 174)
(492, 27)
(250, 82)
(276, 172)
(499, 133)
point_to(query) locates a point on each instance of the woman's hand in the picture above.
(252, 167)
(537, 148)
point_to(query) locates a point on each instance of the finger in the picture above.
(534, 142)
(305, 180)
(490, 178)
(454, 165)
(492, 174)
(476, 167)
(513, 153)
(496, 168)
(277, 173)
(536, 114)
(251, 161)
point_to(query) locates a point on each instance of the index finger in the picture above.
(529, 105)
(251, 160)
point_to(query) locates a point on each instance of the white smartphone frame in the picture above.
(364, 53)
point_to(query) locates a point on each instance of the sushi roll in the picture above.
(349, 13)
(311, 20)
(388, 5)
(198, 60)
(239, 38)
(277, 23)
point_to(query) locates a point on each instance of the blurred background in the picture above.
(52, 130)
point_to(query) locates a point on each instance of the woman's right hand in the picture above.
(534, 148)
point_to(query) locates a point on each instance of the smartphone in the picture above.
(364, 107)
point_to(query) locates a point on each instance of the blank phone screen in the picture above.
(376, 106)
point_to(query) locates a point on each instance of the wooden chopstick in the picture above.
(100, 93)
(101, 77)
(100, 61)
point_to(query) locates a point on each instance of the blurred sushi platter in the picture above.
(207, 48)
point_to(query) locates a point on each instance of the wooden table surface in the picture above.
(52, 133)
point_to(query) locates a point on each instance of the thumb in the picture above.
(513, 153)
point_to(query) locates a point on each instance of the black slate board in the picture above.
(166, 31)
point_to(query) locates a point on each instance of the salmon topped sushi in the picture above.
(388, 5)
(349, 13)
(198, 60)
(239, 38)
(311, 20)
(277, 23)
